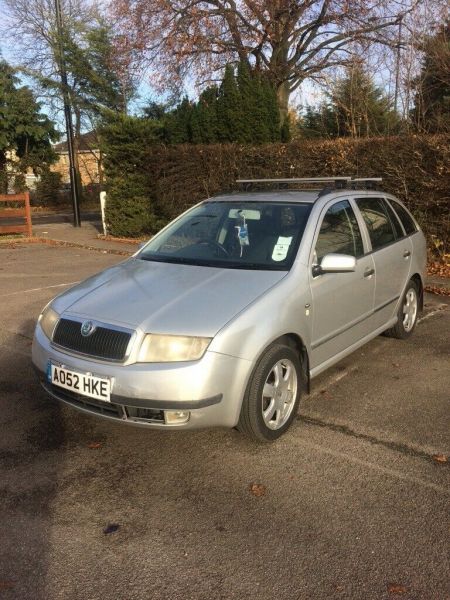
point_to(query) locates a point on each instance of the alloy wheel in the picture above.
(409, 309)
(279, 394)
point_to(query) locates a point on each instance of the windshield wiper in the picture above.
(180, 260)
(213, 263)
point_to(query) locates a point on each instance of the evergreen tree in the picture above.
(273, 112)
(319, 122)
(360, 108)
(178, 123)
(432, 100)
(155, 111)
(195, 129)
(207, 115)
(249, 124)
(91, 63)
(229, 108)
(355, 107)
(244, 109)
(23, 128)
(130, 210)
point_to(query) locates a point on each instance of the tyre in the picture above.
(273, 395)
(407, 313)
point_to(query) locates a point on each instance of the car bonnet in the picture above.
(167, 298)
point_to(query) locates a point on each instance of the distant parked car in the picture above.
(224, 317)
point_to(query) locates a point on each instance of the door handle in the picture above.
(369, 272)
(406, 254)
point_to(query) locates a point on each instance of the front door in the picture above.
(341, 302)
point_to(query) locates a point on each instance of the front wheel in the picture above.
(273, 395)
(407, 313)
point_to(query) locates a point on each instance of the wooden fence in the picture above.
(10, 213)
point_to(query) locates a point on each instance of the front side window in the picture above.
(233, 235)
(377, 221)
(339, 232)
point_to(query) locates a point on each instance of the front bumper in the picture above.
(211, 389)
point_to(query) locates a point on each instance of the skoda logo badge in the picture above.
(87, 328)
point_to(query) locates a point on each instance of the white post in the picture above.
(102, 206)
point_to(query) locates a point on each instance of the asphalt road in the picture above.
(354, 505)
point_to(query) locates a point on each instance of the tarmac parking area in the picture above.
(352, 503)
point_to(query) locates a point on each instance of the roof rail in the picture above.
(290, 180)
(378, 179)
(339, 182)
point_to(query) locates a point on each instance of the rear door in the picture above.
(342, 303)
(391, 252)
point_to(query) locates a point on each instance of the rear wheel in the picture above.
(273, 395)
(407, 313)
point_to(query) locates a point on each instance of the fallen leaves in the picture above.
(257, 489)
(6, 585)
(440, 268)
(440, 458)
(397, 589)
(94, 445)
(437, 289)
(111, 528)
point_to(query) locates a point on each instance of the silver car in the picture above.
(225, 316)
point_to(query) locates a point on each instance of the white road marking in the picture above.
(439, 309)
(384, 470)
(48, 287)
(333, 380)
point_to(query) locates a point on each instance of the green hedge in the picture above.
(150, 184)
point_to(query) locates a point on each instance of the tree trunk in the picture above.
(283, 94)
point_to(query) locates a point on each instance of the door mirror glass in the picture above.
(335, 263)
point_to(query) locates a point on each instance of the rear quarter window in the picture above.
(405, 218)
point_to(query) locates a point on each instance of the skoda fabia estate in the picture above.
(224, 316)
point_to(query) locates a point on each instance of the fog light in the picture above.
(176, 417)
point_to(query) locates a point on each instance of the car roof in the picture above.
(268, 196)
(301, 196)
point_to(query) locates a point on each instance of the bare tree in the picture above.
(292, 40)
(31, 27)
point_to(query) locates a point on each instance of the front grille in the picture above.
(107, 409)
(103, 343)
(96, 406)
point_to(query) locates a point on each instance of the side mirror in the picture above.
(335, 263)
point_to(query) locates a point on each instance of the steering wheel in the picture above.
(213, 244)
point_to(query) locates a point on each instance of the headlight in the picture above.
(172, 348)
(47, 320)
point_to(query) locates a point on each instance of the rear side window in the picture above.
(377, 221)
(405, 218)
(339, 232)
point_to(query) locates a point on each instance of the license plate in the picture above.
(81, 383)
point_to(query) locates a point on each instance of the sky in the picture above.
(308, 94)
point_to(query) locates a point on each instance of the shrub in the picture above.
(150, 183)
(48, 188)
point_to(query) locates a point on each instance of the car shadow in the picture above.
(30, 454)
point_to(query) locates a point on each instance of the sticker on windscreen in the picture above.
(281, 248)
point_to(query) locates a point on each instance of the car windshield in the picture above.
(234, 235)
